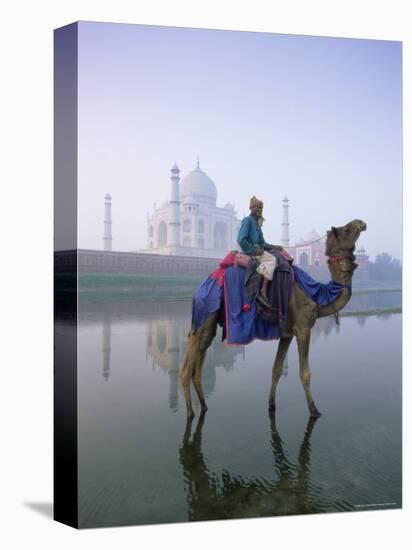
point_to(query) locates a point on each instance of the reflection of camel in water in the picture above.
(302, 315)
(211, 496)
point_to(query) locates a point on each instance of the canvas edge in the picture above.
(65, 447)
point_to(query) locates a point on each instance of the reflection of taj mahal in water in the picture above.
(167, 343)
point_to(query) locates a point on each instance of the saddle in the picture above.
(275, 309)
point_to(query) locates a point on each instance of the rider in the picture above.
(252, 243)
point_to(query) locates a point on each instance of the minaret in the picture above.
(362, 260)
(284, 239)
(107, 239)
(173, 234)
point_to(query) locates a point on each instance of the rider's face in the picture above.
(257, 211)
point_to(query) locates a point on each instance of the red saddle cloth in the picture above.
(241, 260)
(219, 273)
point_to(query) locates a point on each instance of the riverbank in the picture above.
(369, 312)
(121, 288)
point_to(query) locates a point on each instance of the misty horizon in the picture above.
(317, 119)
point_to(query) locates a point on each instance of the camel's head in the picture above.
(341, 240)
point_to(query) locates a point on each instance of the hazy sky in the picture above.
(317, 119)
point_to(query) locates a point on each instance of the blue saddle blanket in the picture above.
(242, 326)
(321, 293)
(241, 323)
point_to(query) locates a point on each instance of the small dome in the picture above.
(310, 238)
(313, 235)
(197, 184)
(229, 206)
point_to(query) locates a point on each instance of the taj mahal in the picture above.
(191, 224)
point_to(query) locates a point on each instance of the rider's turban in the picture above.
(254, 202)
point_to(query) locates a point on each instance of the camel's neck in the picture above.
(336, 305)
(341, 268)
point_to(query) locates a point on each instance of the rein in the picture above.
(311, 242)
(333, 259)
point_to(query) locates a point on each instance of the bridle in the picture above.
(341, 260)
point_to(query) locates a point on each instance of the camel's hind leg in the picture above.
(277, 369)
(195, 356)
(185, 378)
(303, 339)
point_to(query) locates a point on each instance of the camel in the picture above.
(302, 315)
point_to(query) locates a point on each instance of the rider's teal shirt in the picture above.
(250, 237)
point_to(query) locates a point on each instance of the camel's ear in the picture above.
(334, 231)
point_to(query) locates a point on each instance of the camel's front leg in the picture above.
(303, 339)
(277, 369)
(197, 379)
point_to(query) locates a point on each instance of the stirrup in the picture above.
(263, 301)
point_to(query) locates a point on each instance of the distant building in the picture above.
(107, 235)
(191, 224)
(309, 250)
(362, 259)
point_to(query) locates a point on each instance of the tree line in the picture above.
(385, 268)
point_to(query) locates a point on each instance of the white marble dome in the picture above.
(311, 238)
(198, 185)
